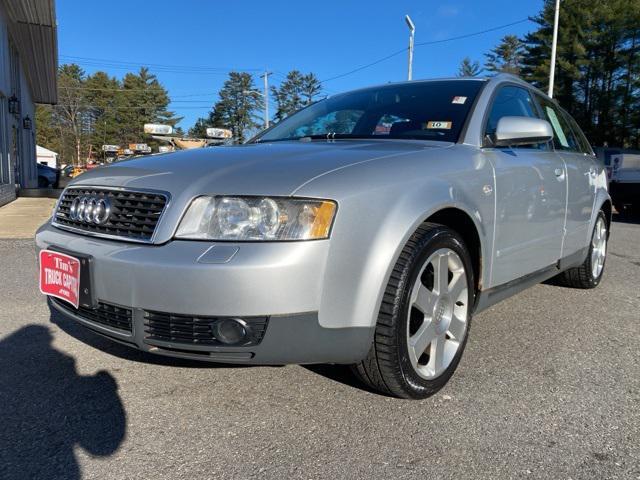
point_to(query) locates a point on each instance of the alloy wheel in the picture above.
(598, 248)
(438, 313)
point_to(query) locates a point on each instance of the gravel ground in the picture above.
(549, 387)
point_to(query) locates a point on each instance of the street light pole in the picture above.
(265, 76)
(552, 69)
(412, 31)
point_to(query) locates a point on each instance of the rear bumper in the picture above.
(280, 281)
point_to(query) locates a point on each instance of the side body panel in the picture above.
(531, 187)
(581, 178)
(530, 211)
(380, 206)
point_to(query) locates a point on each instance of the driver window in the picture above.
(510, 102)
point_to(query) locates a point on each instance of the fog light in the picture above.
(231, 330)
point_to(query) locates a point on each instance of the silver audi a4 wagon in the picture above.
(365, 229)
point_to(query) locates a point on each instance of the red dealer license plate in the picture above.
(60, 276)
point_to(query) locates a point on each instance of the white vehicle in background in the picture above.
(623, 170)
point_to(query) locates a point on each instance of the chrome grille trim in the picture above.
(136, 232)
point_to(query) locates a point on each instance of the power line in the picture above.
(153, 69)
(132, 90)
(434, 42)
(364, 66)
(159, 66)
(283, 77)
(130, 107)
(200, 69)
(474, 34)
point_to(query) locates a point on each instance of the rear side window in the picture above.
(583, 143)
(563, 137)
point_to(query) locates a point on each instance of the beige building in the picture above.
(28, 66)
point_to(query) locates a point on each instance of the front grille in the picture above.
(134, 214)
(106, 314)
(187, 329)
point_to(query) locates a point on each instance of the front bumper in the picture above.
(280, 281)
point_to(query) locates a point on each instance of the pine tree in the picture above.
(99, 109)
(469, 68)
(294, 93)
(507, 57)
(146, 102)
(598, 66)
(311, 88)
(570, 52)
(238, 105)
(103, 111)
(199, 129)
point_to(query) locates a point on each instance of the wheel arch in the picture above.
(461, 222)
(374, 224)
(607, 208)
(358, 304)
(602, 202)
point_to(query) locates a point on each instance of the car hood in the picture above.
(269, 169)
(278, 168)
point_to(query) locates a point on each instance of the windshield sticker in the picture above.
(556, 126)
(439, 125)
(459, 100)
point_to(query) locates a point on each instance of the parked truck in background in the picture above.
(623, 170)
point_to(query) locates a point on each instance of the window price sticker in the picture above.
(437, 125)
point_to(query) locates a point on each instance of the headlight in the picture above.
(257, 218)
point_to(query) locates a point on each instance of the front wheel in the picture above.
(424, 318)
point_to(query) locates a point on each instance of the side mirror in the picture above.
(522, 131)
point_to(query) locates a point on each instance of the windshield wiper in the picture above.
(323, 136)
(333, 136)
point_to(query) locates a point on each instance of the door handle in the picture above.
(559, 174)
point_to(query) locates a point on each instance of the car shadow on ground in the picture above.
(341, 374)
(48, 409)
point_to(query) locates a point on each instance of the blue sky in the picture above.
(192, 44)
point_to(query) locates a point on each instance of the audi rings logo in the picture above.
(90, 209)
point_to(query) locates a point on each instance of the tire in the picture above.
(588, 275)
(43, 182)
(415, 308)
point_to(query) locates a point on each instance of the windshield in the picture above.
(434, 110)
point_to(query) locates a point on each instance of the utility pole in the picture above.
(552, 69)
(265, 75)
(412, 31)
